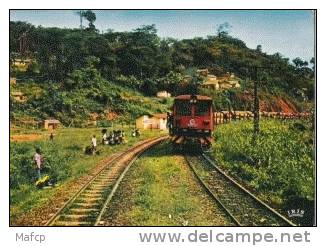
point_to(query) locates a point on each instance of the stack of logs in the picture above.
(227, 116)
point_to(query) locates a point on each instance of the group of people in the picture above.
(113, 138)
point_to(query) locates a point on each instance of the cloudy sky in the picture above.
(290, 32)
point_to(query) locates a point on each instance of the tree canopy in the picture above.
(149, 59)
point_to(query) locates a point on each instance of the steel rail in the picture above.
(115, 187)
(211, 193)
(88, 183)
(246, 191)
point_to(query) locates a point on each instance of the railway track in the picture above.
(244, 208)
(87, 206)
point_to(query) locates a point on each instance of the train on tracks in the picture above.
(191, 121)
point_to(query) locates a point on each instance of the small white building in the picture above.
(163, 94)
(157, 121)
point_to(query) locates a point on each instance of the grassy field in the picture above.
(160, 190)
(279, 167)
(64, 161)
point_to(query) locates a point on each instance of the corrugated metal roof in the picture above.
(160, 116)
(187, 97)
(52, 121)
(17, 93)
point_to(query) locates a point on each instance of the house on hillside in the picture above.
(18, 96)
(21, 64)
(13, 81)
(221, 82)
(233, 81)
(163, 94)
(51, 124)
(157, 121)
(211, 77)
(202, 72)
(186, 79)
(213, 85)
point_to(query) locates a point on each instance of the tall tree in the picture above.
(299, 63)
(223, 29)
(90, 16)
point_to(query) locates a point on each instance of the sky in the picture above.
(289, 32)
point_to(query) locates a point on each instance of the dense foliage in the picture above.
(23, 169)
(281, 163)
(84, 92)
(84, 62)
(147, 57)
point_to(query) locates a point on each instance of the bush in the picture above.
(281, 162)
(56, 164)
(23, 168)
(103, 123)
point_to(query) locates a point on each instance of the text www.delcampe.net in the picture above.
(210, 236)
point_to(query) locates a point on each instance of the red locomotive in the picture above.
(191, 121)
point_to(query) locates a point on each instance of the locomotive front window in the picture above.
(202, 108)
(183, 108)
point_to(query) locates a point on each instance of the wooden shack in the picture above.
(13, 81)
(51, 124)
(19, 96)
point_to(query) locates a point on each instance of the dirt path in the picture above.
(160, 190)
(25, 137)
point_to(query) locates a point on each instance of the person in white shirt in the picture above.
(94, 144)
(104, 138)
(38, 159)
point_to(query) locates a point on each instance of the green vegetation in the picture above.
(79, 75)
(159, 189)
(64, 160)
(280, 166)
(74, 107)
(75, 72)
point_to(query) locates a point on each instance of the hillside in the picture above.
(81, 107)
(75, 75)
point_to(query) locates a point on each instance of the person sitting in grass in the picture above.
(104, 137)
(38, 159)
(123, 136)
(111, 138)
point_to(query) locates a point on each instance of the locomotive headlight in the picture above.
(193, 99)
